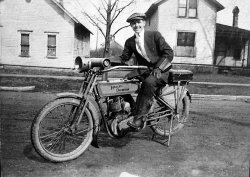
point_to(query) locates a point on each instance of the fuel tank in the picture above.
(117, 87)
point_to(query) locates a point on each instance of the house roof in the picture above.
(155, 5)
(77, 19)
(231, 32)
(114, 44)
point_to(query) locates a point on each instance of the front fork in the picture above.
(87, 90)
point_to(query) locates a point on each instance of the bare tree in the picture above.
(108, 12)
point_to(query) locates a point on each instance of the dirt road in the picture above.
(214, 143)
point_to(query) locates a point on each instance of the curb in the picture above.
(19, 89)
(222, 84)
(221, 97)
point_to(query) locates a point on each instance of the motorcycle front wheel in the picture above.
(52, 136)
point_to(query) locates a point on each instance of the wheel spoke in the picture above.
(51, 133)
(53, 143)
(76, 138)
(84, 130)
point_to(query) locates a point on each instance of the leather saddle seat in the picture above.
(175, 76)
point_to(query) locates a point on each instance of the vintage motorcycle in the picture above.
(65, 127)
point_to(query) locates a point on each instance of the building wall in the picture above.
(203, 26)
(82, 42)
(1, 44)
(39, 18)
(248, 55)
(225, 54)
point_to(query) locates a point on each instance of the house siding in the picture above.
(39, 18)
(203, 26)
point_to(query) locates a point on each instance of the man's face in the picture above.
(137, 25)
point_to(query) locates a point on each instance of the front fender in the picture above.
(92, 106)
(68, 95)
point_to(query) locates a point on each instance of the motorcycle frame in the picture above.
(89, 88)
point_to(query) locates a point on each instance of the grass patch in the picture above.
(43, 84)
(40, 71)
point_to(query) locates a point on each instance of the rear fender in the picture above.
(92, 106)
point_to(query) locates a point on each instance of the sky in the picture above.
(224, 16)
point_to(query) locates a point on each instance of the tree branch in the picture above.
(105, 2)
(113, 5)
(120, 10)
(120, 29)
(103, 5)
(93, 22)
(115, 11)
(100, 21)
(98, 9)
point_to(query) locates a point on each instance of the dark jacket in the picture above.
(156, 48)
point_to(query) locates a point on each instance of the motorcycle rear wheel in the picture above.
(162, 126)
(50, 133)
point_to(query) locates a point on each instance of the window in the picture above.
(192, 10)
(237, 53)
(51, 46)
(185, 39)
(187, 8)
(185, 44)
(182, 8)
(25, 45)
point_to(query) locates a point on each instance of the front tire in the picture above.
(50, 133)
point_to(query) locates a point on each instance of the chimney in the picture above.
(235, 16)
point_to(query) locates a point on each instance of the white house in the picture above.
(189, 27)
(41, 33)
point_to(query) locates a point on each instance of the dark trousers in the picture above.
(145, 96)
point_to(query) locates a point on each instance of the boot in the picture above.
(136, 123)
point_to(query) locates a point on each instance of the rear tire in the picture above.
(163, 125)
(50, 133)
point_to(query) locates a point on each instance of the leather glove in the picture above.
(156, 73)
